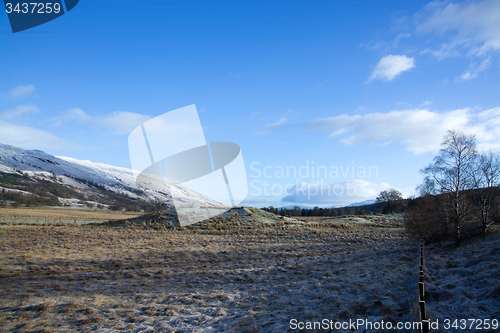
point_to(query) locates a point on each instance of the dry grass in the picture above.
(65, 214)
(234, 273)
(253, 218)
(64, 279)
(378, 220)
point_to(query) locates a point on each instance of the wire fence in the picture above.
(48, 220)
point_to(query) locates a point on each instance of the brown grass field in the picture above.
(71, 278)
(39, 214)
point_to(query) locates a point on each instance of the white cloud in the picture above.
(426, 103)
(472, 28)
(29, 137)
(391, 66)
(19, 111)
(419, 130)
(474, 70)
(334, 194)
(272, 127)
(121, 122)
(21, 91)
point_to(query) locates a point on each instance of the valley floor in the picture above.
(90, 278)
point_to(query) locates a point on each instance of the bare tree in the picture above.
(428, 187)
(452, 174)
(487, 180)
(388, 199)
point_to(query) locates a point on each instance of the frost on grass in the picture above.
(464, 282)
(60, 278)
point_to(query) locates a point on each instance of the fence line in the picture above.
(421, 293)
(47, 220)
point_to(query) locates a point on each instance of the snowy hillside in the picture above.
(91, 179)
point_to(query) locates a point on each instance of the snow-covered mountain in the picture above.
(93, 180)
(363, 203)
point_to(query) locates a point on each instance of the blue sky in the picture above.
(334, 84)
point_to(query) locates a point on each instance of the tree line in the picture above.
(317, 211)
(388, 201)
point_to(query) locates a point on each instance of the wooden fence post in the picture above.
(425, 326)
(422, 310)
(421, 291)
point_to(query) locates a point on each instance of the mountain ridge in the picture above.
(99, 183)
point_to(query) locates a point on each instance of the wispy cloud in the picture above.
(19, 111)
(29, 137)
(426, 103)
(273, 127)
(447, 29)
(400, 36)
(121, 122)
(419, 130)
(474, 70)
(383, 46)
(21, 91)
(375, 45)
(391, 66)
(471, 28)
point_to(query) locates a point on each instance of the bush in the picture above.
(116, 207)
(134, 208)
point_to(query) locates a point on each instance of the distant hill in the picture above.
(362, 203)
(35, 177)
(355, 204)
(293, 206)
